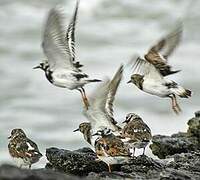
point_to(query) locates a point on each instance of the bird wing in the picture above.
(142, 67)
(159, 53)
(113, 86)
(115, 147)
(101, 101)
(70, 37)
(138, 131)
(54, 43)
(166, 46)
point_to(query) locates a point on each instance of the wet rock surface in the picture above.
(79, 162)
(182, 142)
(8, 172)
(179, 159)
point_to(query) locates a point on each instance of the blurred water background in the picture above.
(108, 33)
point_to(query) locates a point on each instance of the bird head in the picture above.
(15, 133)
(131, 117)
(44, 65)
(83, 127)
(136, 79)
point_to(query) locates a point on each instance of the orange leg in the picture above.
(109, 168)
(85, 101)
(178, 107)
(85, 97)
(174, 104)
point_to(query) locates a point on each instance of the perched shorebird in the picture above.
(100, 111)
(85, 129)
(60, 68)
(148, 73)
(136, 133)
(110, 148)
(24, 151)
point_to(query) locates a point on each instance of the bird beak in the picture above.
(37, 67)
(124, 121)
(76, 130)
(129, 82)
(9, 137)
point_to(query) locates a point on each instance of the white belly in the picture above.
(114, 160)
(155, 88)
(65, 79)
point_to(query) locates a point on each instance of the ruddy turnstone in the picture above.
(110, 148)
(149, 72)
(60, 68)
(85, 129)
(24, 151)
(100, 111)
(136, 133)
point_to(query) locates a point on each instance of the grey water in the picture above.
(109, 32)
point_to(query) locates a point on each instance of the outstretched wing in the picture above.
(113, 86)
(101, 101)
(142, 67)
(54, 43)
(70, 37)
(159, 53)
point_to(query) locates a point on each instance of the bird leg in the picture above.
(29, 166)
(178, 107)
(133, 152)
(83, 98)
(174, 104)
(109, 168)
(143, 151)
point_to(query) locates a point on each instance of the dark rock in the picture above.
(189, 141)
(79, 162)
(163, 146)
(194, 127)
(8, 172)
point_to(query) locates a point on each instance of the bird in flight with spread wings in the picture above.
(149, 72)
(61, 67)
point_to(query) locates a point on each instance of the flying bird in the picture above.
(100, 111)
(61, 67)
(149, 73)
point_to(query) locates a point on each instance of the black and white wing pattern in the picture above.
(101, 101)
(54, 44)
(70, 37)
(159, 53)
(113, 86)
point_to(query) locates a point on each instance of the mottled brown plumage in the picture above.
(158, 54)
(136, 132)
(85, 129)
(110, 148)
(23, 149)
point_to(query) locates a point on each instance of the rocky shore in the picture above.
(179, 159)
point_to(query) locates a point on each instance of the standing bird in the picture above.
(110, 148)
(60, 68)
(100, 111)
(24, 151)
(149, 72)
(136, 133)
(85, 129)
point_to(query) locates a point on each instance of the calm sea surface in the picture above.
(108, 33)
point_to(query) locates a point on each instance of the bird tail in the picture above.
(173, 72)
(93, 80)
(182, 92)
